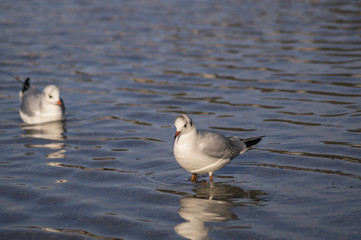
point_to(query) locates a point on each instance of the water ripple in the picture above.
(58, 164)
(317, 155)
(294, 168)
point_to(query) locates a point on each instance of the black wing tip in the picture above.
(252, 141)
(26, 85)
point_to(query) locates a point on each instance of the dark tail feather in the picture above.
(26, 85)
(252, 141)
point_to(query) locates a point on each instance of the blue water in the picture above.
(289, 70)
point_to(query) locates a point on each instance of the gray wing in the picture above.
(218, 146)
(30, 102)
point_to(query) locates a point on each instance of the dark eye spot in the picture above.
(50, 96)
(185, 125)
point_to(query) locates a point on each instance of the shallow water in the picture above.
(289, 70)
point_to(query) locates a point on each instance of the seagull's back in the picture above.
(219, 146)
(30, 101)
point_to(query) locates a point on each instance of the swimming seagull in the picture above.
(201, 152)
(41, 107)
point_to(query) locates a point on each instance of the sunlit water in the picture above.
(289, 70)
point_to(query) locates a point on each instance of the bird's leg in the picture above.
(194, 178)
(211, 177)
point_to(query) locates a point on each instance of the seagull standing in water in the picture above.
(202, 152)
(40, 107)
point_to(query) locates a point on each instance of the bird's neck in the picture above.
(47, 107)
(189, 138)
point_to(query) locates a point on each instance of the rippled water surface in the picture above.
(289, 70)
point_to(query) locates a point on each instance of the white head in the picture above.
(184, 125)
(51, 94)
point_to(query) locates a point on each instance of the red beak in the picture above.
(60, 103)
(176, 134)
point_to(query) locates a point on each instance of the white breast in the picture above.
(191, 158)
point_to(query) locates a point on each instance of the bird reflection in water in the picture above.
(53, 131)
(211, 203)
